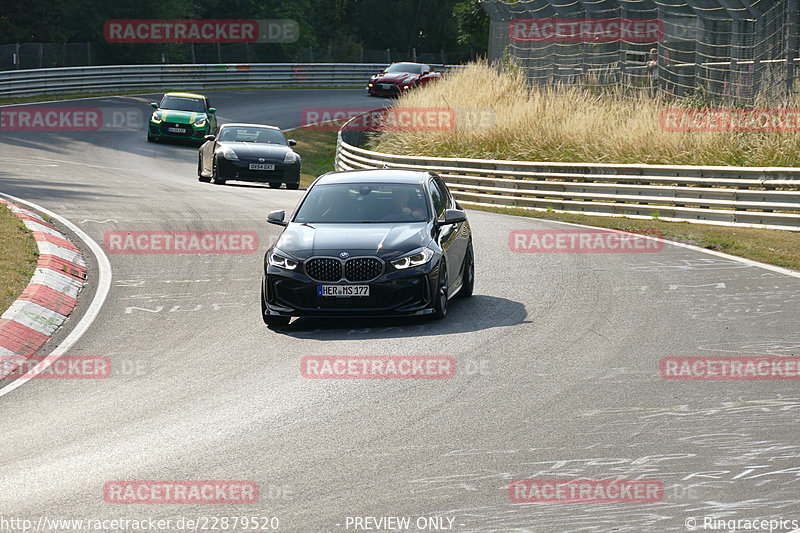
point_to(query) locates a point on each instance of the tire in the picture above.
(214, 176)
(293, 186)
(273, 185)
(440, 306)
(200, 176)
(468, 277)
(151, 139)
(271, 321)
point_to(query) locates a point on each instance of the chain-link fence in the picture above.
(48, 55)
(739, 51)
(44, 55)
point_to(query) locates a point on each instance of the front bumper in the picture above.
(191, 133)
(385, 89)
(398, 293)
(239, 170)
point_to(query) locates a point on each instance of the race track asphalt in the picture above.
(557, 359)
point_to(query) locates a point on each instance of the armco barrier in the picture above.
(208, 76)
(745, 196)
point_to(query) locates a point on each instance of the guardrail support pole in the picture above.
(791, 44)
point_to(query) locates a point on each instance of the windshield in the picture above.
(344, 203)
(404, 67)
(252, 135)
(183, 103)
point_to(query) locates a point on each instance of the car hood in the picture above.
(256, 150)
(180, 117)
(384, 240)
(396, 77)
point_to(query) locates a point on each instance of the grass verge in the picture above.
(317, 149)
(18, 260)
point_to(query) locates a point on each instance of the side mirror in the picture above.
(454, 216)
(210, 137)
(154, 104)
(212, 110)
(292, 142)
(276, 217)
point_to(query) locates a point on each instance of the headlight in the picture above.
(290, 157)
(200, 123)
(156, 117)
(280, 261)
(230, 154)
(420, 257)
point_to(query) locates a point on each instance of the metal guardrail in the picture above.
(746, 196)
(191, 76)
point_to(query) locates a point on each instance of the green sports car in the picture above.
(184, 116)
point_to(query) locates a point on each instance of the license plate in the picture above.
(176, 130)
(386, 86)
(342, 291)
(262, 166)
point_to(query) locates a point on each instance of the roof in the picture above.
(185, 95)
(414, 177)
(245, 125)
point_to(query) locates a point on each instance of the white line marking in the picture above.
(714, 285)
(99, 221)
(103, 286)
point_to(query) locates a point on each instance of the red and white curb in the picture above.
(48, 299)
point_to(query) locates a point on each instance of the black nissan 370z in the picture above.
(369, 243)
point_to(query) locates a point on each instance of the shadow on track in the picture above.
(474, 314)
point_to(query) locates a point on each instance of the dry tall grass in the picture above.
(570, 124)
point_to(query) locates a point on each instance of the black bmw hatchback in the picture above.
(369, 243)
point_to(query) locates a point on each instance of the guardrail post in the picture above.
(791, 44)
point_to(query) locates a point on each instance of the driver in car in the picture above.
(401, 205)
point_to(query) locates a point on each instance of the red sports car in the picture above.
(400, 77)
